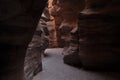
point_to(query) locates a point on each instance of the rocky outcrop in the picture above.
(33, 62)
(68, 30)
(98, 33)
(40, 41)
(97, 36)
(18, 20)
(65, 14)
(71, 52)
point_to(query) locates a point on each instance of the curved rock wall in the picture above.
(98, 33)
(65, 13)
(98, 27)
(18, 20)
(67, 30)
(40, 41)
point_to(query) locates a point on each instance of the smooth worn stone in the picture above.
(40, 41)
(18, 21)
(98, 34)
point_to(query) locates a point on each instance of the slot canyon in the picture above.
(84, 33)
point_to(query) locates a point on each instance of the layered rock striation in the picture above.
(18, 21)
(98, 34)
(65, 14)
(40, 41)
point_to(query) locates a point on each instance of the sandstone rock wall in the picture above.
(68, 28)
(40, 41)
(98, 33)
(33, 62)
(97, 36)
(65, 13)
(18, 20)
(71, 52)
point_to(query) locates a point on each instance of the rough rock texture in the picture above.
(67, 31)
(71, 52)
(99, 34)
(33, 63)
(65, 13)
(98, 29)
(40, 41)
(18, 20)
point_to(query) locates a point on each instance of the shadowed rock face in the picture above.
(98, 33)
(18, 20)
(40, 41)
(97, 36)
(65, 13)
(103, 6)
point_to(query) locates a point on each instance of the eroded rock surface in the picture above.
(40, 41)
(18, 20)
(98, 33)
(65, 13)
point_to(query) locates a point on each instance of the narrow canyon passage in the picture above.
(87, 31)
(55, 69)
